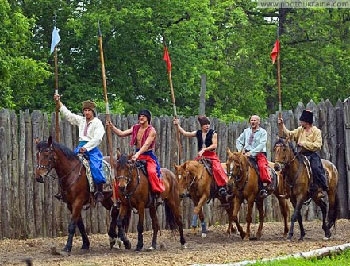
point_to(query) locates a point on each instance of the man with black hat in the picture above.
(91, 132)
(143, 137)
(207, 140)
(309, 140)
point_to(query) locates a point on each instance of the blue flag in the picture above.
(55, 38)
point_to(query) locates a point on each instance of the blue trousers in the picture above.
(95, 160)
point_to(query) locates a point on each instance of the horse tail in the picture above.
(172, 202)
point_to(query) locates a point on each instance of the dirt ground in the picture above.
(216, 248)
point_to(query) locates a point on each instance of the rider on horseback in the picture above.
(309, 140)
(207, 140)
(143, 136)
(252, 142)
(91, 132)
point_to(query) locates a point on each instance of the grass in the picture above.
(339, 259)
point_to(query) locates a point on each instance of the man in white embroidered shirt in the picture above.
(91, 132)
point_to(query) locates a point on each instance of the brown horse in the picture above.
(134, 193)
(297, 173)
(196, 181)
(245, 186)
(74, 186)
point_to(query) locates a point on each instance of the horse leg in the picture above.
(71, 232)
(285, 213)
(296, 217)
(249, 216)
(323, 206)
(155, 227)
(200, 204)
(113, 237)
(140, 228)
(260, 206)
(121, 225)
(84, 236)
(236, 207)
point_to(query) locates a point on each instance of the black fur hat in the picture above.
(307, 116)
(147, 114)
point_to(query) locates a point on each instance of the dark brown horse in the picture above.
(74, 186)
(245, 184)
(298, 177)
(135, 193)
(196, 181)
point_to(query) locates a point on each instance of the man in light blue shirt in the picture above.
(252, 142)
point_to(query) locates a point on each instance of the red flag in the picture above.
(275, 51)
(166, 58)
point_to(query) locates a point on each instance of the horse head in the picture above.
(124, 170)
(182, 178)
(284, 153)
(236, 163)
(45, 157)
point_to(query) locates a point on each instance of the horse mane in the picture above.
(123, 160)
(64, 149)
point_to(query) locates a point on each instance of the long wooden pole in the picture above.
(108, 116)
(57, 111)
(174, 110)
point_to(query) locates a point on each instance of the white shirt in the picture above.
(95, 130)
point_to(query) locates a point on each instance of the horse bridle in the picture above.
(51, 160)
(51, 163)
(131, 166)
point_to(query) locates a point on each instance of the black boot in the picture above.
(99, 193)
(222, 192)
(263, 193)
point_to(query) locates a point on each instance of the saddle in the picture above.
(274, 180)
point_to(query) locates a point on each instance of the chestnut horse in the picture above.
(74, 186)
(298, 176)
(196, 181)
(245, 185)
(135, 193)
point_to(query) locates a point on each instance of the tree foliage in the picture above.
(228, 41)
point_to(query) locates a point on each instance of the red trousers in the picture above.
(219, 173)
(263, 166)
(156, 182)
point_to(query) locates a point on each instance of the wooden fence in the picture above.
(30, 210)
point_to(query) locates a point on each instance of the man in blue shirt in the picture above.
(252, 142)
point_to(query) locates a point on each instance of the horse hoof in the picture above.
(150, 249)
(64, 253)
(183, 247)
(204, 235)
(127, 245)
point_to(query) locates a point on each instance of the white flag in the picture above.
(55, 38)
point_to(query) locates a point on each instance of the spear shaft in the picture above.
(108, 116)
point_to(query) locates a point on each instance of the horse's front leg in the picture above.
(260, 207)
(76, 215)
(155, 227)
(113, 237)
(122, 217)
(236, 207)
(249, 214)
(200, 204)
(84, 236)
(140, 228)
(285, 213)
